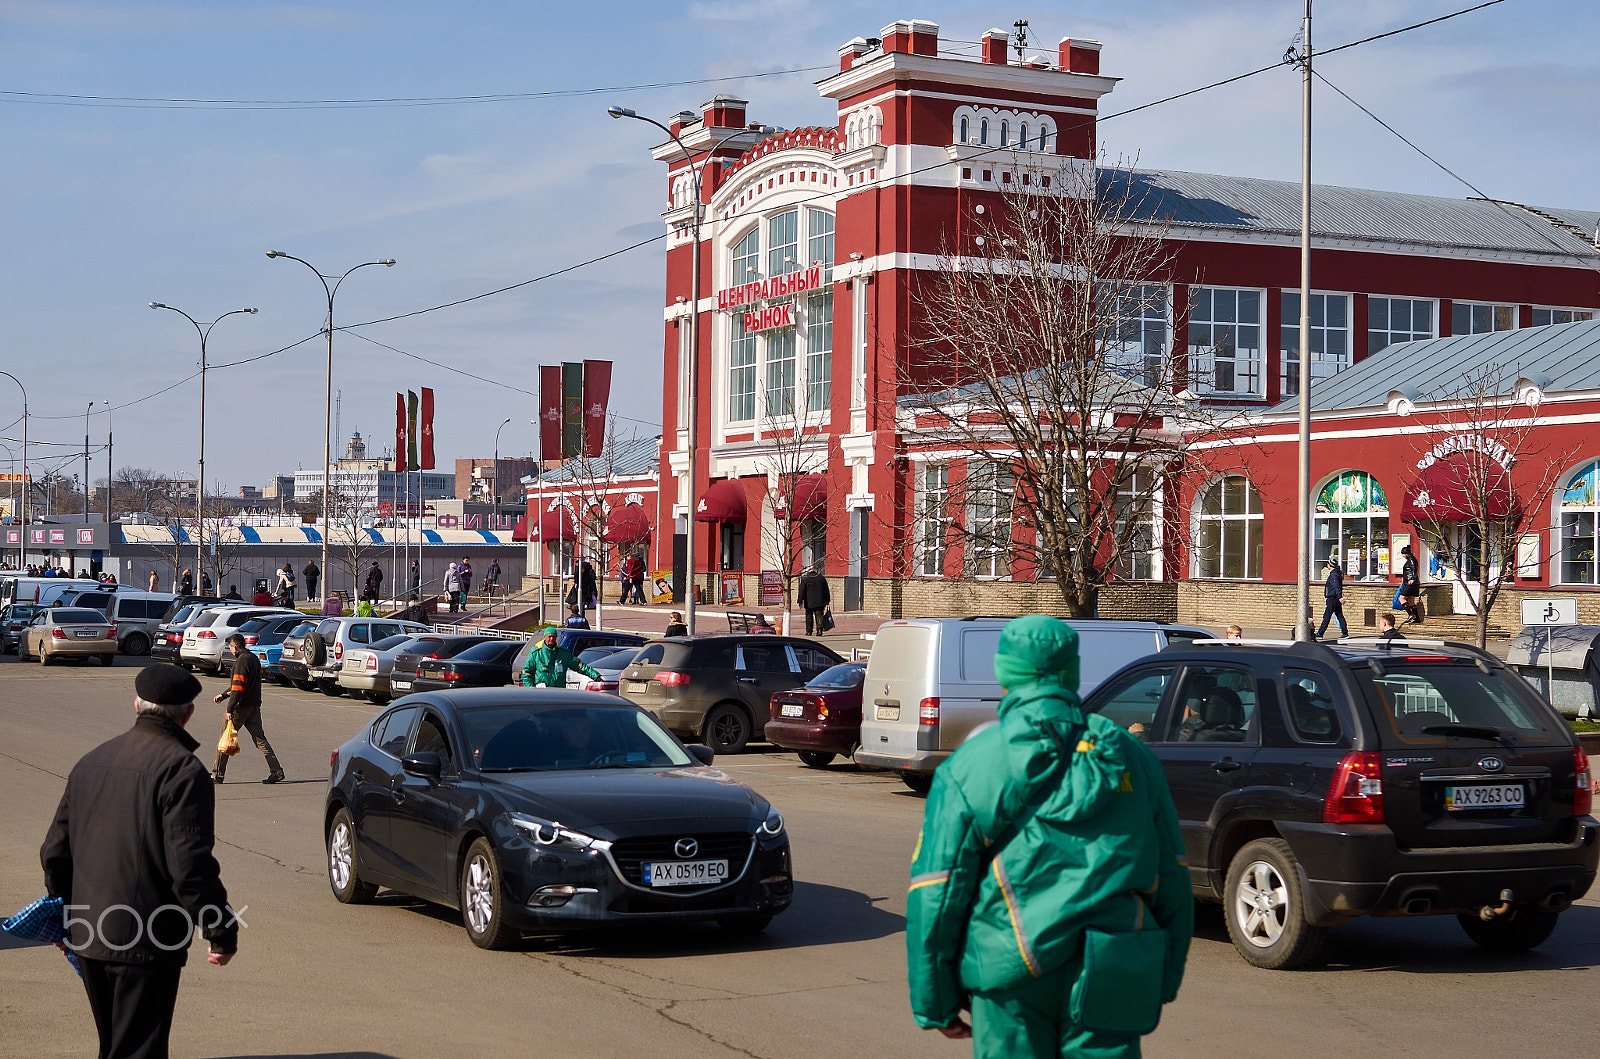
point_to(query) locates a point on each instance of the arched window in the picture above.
(964, 130)
(783, 243)
(1005, 132)
(1022, 136)
(983, 132)
(1352, 524)
(746, 256)
(1045, 134)
(1580, 513)
(1230, 530)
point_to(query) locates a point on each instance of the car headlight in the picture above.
(773, 824)
(550, 834)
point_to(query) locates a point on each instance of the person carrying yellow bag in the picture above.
(229, 742)
(1048, 889)
(244, 710)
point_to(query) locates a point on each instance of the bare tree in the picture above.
(351, 546)
(1044, 415)
(800, 492)
(592, 491)
(1484, 484)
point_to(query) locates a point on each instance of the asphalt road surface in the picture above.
(400, 978)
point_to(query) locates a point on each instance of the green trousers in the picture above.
(1030, 1022)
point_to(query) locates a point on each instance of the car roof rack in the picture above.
(1388, 643)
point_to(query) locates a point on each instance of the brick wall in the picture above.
(932, 597)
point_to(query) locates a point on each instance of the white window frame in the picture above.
(1205, 359)
(1328, 530)
(1223, 519)
(1495, 308)
(1574, 314)
(1322, 364)
(988, 544)
(1413, 334)
(1564, 511)
(1134, 354)
(933, 528)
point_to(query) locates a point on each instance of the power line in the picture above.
(66, 99)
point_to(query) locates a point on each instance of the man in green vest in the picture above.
(547, 665)
(1045, 838)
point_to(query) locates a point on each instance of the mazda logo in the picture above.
(1491, 764)
(686, 847)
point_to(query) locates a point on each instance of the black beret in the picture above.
(165, 685)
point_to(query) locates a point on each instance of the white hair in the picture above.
(172, 712)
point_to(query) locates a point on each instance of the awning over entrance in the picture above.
(554, 525)
(810, 499)
(1453, 490)
(627, 525)
(519, 532)
(723, 502)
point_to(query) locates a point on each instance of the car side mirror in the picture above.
(424, 763)
(702, 753)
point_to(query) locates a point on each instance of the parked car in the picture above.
(263, 637)
(136, 614)
(1315, 783)
(930, 682)
(366, 670)
(179, 602)
(610, 666)
(69, 632)
(20, 588)
(579, 642)
(404, 669)
(168, 639)
(313, 661)
(539, 810)
(484, 665)
(205, 637)
(13, 619)
(822, 718)
(713, 688)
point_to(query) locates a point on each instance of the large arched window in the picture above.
(1580, 513)
(742, 347)
(964, 129)
(1229, 543)
(1352, 523)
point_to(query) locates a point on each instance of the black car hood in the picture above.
(618, 803)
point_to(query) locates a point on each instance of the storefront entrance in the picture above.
(1454, 551)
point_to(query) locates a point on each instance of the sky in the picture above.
(104, 209)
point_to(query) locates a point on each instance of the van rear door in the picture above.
(968, 693)
(899, 672)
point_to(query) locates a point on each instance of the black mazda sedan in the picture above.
(539, 810)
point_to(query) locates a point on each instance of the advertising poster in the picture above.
(661, 586)
(1528, 556)
(771, 588)
(732, 588)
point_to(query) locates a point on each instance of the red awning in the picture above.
(556, 525)
(520, 532)
(1454, 490)
(810, 499)
(627, 525)
(723, 502)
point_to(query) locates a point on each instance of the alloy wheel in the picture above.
(1261, 904)
(340, 856)
(480, 895)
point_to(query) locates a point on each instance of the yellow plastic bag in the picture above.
(229, 743)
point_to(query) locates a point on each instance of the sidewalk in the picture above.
(710, 620)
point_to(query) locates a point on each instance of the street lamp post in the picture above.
(111, 468)
(22, 517)
(694, 337)
(86, 461)
(327, 403)
(204, 331)
(501, 427)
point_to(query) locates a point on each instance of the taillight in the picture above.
(372, 663)
(1356, 794)
(338, 650)
(333, 759)
(1583, 792)
(928, 711)
(822, 706)
(57, 634)
(111, 633)
(449, 674)
(205, 634)
(671, 678)
(250, 641)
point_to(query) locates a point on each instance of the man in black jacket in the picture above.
(1333, 598)
(129, 853)
(814, 598)
(313, 574)
(374, 586)
(244, 708)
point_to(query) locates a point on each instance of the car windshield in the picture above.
(301, 629)
(1441, 702)
(848, 675)
(68, 616)
(555, 738)
(23, 611)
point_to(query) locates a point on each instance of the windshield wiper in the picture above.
(1476, 731)
(512, 768)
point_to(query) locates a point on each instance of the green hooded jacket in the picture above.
(1101, 849)
(549, 665)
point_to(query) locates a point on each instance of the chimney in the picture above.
(724, 112)
(1080, 56)
(681, 119)
(853, 51)
(915, 36)
(994, 46)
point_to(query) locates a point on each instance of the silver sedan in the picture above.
(69, 632)
(366, 669)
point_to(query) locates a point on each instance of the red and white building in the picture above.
(818, 242)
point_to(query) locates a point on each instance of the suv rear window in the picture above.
(1436, 703)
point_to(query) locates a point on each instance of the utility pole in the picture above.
(1302, 599)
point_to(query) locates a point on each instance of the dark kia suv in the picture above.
(1319, 782)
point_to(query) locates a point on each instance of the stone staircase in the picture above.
(1460, 628)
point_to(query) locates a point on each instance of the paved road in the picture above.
(400, 978)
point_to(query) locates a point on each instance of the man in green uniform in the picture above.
(1037, 831)
(547, 665)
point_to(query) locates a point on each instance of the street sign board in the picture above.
(1543, 611)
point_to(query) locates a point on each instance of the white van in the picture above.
(930, 682)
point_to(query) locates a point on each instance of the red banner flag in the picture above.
(550, 412)
(425, 463)
(400, 432)
(596, 395)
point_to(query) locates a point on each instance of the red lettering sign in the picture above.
(783, 286)
(771, 318)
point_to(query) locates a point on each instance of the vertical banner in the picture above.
(427, 430)
(400, 433)
(596, 394)
(411, 433)
(572, 409)
(549, 412)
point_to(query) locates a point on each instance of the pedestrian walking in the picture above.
(186, 583)
(1048, 890)
(633, 579)
(814, 597)
(155, 581)
(313, 574)
(416, 576)
(1333, 599)
(464, 575)
(575, 619)
(452, 587)
(286, 586)
(675, 625)
(244, 709)
(205, 584)
(373, 587)
(1410, 587)
(586, 582)
(491, 578)
(130, 852)
(547, 665)
(333, 605)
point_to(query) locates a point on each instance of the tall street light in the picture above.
(327, 401)
(22, 517)
(204, 331)
(86, 412)
(501, 427)
(110, 467)
(698, 172)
